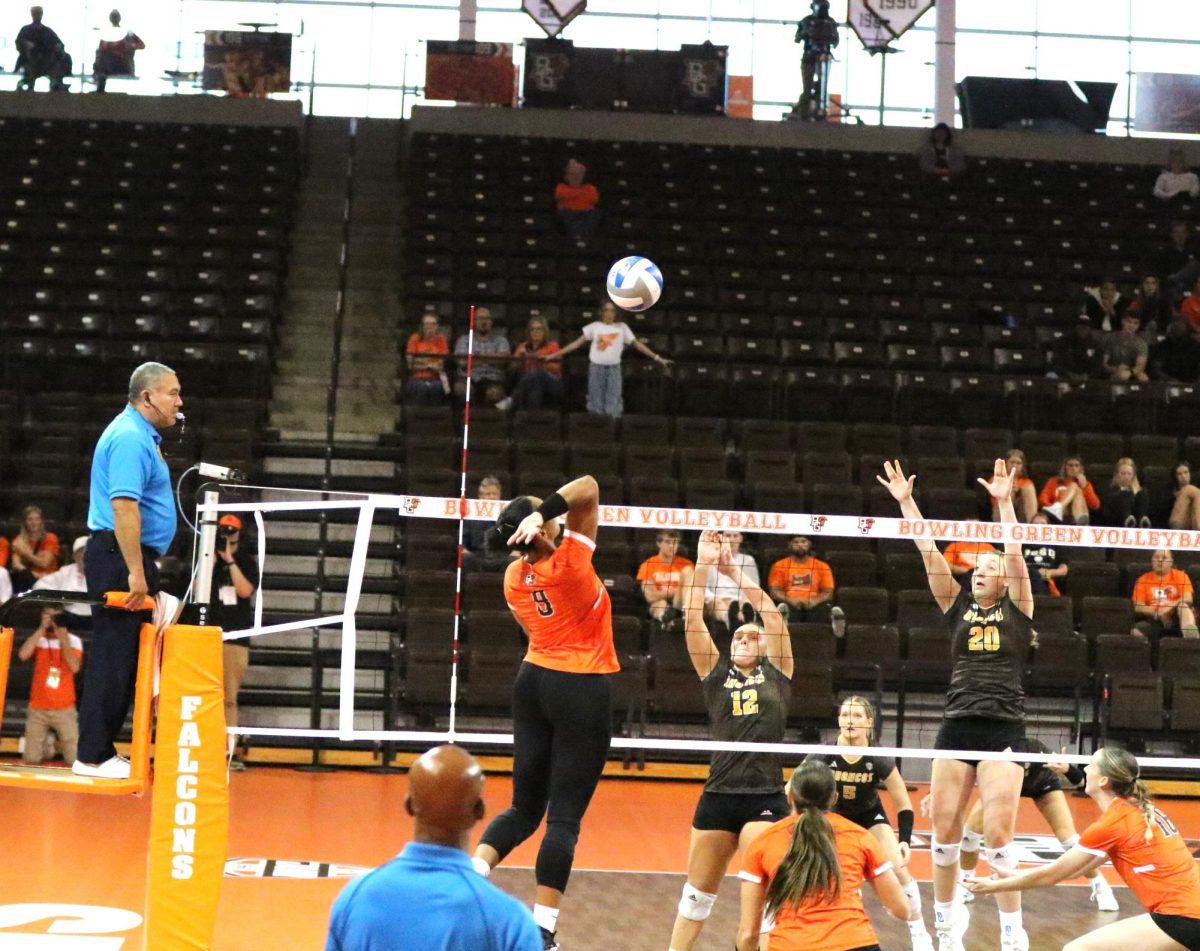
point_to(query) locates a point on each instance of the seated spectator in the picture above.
(665, 578)
(722, 595)
(1074, 355)
(1189, 308)
(114, 54)
(426, 357)
(491, 356)
(41, 53)
(57, 655)
(34, 551)
(962, 557)
(476, 555)
(1069, 496)
(1177, 507)
(576, 201)
(1163, 601)
(1045, 562)
(1176, 358)
(1175, 182)
(1104, 305)
(70, 578)
(539, 380)
(801, 584)
(1125, 352)
(939, 157)
(1151, 305)
(1178, 264)
(1125, 502)
(1024, 494)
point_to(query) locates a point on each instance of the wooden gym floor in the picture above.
(87, 850)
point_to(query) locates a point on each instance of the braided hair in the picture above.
(810, 868)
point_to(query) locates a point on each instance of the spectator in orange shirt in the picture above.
(1189, 309)
(802, 585)
(576, 201)
(426, 354)
(539, 382)
(665, 577)
(1024, 494)
(34, 551)
(962, 557)
(1069, 496)
(57, 655)
(1163, 601)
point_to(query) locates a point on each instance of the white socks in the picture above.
(943, 915)
(545, 917)
(1010, 923)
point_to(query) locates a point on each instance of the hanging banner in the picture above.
(878, 22)
(1167, 102)
(247, 64)
(465, 71)
(553, 15)
(740, 101)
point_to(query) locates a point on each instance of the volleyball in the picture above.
(635, 283)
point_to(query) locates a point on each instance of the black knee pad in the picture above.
(557, 854)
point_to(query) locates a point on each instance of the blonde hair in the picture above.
(868, 709)
(1134, 483)
(810, 868)
(1123, 774)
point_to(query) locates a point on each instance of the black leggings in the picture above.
(562, 725)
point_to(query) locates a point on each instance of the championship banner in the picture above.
(465, 71)
(1167, 102)
(553, 15)
(247, 64)
(740, 99)
(878, 22)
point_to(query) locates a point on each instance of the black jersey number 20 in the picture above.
(542, 603)
(984, 638)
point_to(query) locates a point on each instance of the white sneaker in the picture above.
(965, 896)
(921, 941)
(837, 618)
(1102, 895)
(1016, 941)
(946, 941)
(115, 768)
(504, 404)
(1055, 509)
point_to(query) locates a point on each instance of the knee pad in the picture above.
(971, 841)
(943, 854)
(1070, 843)
(1004, 858)
(695, 905)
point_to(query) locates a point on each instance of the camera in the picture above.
(224, 533)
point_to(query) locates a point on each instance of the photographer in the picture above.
(235, 578)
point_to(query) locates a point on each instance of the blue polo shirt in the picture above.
(127, 464)
(429, 898)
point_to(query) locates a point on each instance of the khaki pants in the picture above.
(38, 723)
(237, 658)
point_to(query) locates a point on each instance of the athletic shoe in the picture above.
(921, 941)
(115, 768)
(1017, 941)
(548, 942)
(505, 404)
(1144, 522)
(237, 765)
(946, 941)
(1130, 521)
(1055, 509)
(1102, 895)
(837, 618)
(962, 921)
(965, 896)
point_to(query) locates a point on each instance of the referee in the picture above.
(131, 517)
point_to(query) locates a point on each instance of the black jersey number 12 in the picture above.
(542, 603)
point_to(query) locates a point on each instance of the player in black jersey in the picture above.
(857, 779)
(991, 632)
(1044, 785)
(747, 696)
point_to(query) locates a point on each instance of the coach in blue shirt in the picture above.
(430, 898)
(131, 517)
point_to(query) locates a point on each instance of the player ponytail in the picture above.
(1123, 772)
(810, 869)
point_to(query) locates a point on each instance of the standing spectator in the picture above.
(1126, 352)
(34, 551)
(1045, 563)
(1151, 305)
(477, 556)
(41, 53)
(1175, 181)
(1189, 308)
(460, 910)
(1024, 493)
(234, 581)
(1179, 506)
(1073, 355)
(665, 577)
(608, 338)
(963, 557)
(939, 157)
(576, 201)
(57, 655)
(114, 54)
(1104, 305)
(802, 585)
(131, 515)
(1069, 496)
(491, 357)
(539, 382)
(1125, 502)
(725, 598)
(1176, 358)
(426, 357)
(70, 577)
(1163, 601)
(1179, 262)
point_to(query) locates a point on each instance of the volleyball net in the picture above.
(419, 649)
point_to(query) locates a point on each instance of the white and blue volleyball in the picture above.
(635, 283)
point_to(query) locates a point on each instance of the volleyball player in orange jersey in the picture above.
(562, 719)
(806, 873)
(1146, 850)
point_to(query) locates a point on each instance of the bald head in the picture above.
(445, 795)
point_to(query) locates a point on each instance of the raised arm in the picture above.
(701, 648)
(647, 352)
(578, 499)
(569, 348)
(777, 641)
(1015, 569)
(941, 582)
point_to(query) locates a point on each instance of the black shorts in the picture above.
(980, 733)
(730, 812)
(1178, 928)
(1040, 781)
(867, 817)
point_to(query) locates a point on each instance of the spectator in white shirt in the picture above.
(724, 597)
(68, 578)
(1175, 180)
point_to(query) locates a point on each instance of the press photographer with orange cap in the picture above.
(235, 579)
